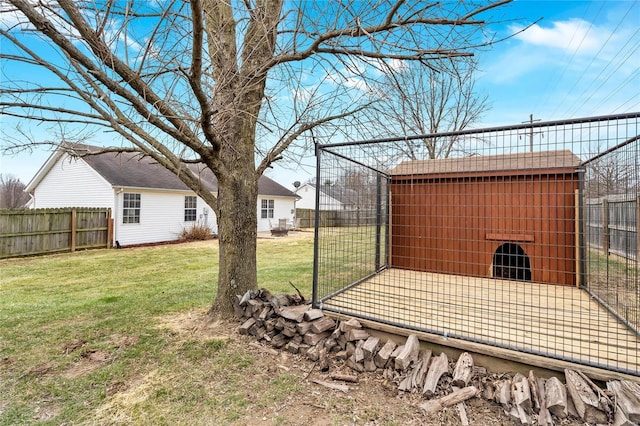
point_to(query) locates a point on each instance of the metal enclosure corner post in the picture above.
(378, 220)
(605, 227)
(387, 223)
(316, 240)
(581, 273)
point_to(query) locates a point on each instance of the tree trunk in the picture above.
(237, 229)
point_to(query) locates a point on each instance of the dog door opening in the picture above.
(511, 262)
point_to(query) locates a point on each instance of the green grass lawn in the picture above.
(615, 280)
(347, 255)
(103, 311)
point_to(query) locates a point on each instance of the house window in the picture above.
(131, 208)
(190, 205)
(267, 209)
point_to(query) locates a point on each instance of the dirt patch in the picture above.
(373, 400)
(90, 360)
(122, 341)
(199, 326)
(117, 408)
(73, 346)
(115, 388)
(93, 359)
(46, 412)
(280, 388)
(41, 370)
(96, 355)
(6, 361)
(291, 235)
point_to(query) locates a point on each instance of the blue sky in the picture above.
(581, 59)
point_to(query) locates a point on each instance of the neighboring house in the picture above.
(332, 197)
(149, 204)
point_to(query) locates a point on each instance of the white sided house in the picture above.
(331, 197)
(149, 204)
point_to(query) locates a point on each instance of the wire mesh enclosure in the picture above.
(525, 237)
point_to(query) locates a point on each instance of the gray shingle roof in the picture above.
(337, 192)
(491, 163)
(129, 169)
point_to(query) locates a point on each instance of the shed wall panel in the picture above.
(455, 224)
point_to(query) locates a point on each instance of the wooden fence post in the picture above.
(638, 228)
(74, 218)
(605, 226)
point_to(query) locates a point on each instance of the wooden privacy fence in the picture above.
(40, 231)
(306, 218)
(613, 223)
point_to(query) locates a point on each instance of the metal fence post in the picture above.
(605, 226)
(378, 219)
(316, 233)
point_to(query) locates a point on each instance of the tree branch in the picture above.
(49, 108)
(485, 8)
(283, 144)
(195, 75)
(180, 130)
(387, 26)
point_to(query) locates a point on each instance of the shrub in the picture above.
(196, 232)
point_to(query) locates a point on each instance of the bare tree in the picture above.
(615, 173)
(420, 100)
(12, 194)
(232, 84)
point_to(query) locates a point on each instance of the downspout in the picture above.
(116, 216)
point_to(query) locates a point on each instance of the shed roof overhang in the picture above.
(529, 163)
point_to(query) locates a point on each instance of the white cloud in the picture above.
(574, 35)
(360, 74)
(397, 64)
(332, 78)
(116, 38)
(301, 94)
(512, 64)
(377, 67)
(351, 78)
(8, 16)
(11, 18)
(356, 83)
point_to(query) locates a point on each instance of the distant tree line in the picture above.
(12, 192)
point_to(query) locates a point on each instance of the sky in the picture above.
(579, 59)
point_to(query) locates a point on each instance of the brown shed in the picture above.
(509, 216)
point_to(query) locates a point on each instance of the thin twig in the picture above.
(299, 294)
(310, 371)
